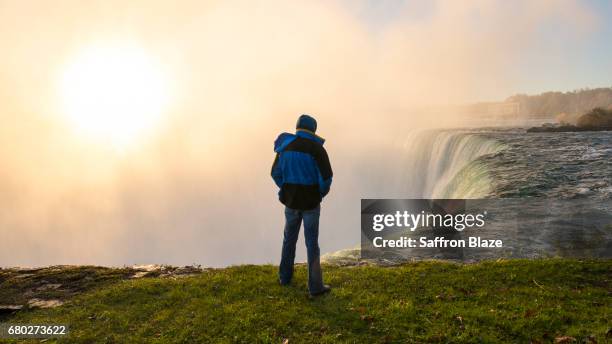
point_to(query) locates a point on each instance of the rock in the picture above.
(342, 257)
(9, 308)
(186, 271)
(153, 270)
(50, 286)
(150, 270)
(140, 274)
(24, 275)
(25, 269)
(39, 303)
(147, 267)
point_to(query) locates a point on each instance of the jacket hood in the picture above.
(310, 135)
(284, 139)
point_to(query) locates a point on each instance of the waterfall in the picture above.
(423, 164)
(444, 164)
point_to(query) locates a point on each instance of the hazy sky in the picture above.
(557, 61)
(491, 49)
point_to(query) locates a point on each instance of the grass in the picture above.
(513, 301)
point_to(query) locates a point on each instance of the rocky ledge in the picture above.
(49, 287)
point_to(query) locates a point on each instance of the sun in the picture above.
(114, 93)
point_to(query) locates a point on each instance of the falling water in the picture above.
(444, 164)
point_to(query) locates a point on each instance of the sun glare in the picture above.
(114, 93)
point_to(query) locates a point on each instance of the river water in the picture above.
(550, 193)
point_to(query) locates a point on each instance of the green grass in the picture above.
(514, 301)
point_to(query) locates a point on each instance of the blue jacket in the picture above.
(301, 169)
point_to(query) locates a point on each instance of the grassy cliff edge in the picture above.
(539, 301)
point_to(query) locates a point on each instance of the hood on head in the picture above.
(306, 122)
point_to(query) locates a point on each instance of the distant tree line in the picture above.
(597, 117)
(571, 103)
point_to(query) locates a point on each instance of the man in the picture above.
(303, 173)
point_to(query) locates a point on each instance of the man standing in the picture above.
(303, 173)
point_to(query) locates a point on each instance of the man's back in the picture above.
(301, 169)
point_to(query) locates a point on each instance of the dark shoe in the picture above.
(326, 289)
(283, 284)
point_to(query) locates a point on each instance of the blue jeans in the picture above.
(293, 220)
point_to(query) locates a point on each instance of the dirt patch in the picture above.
(25, 288)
